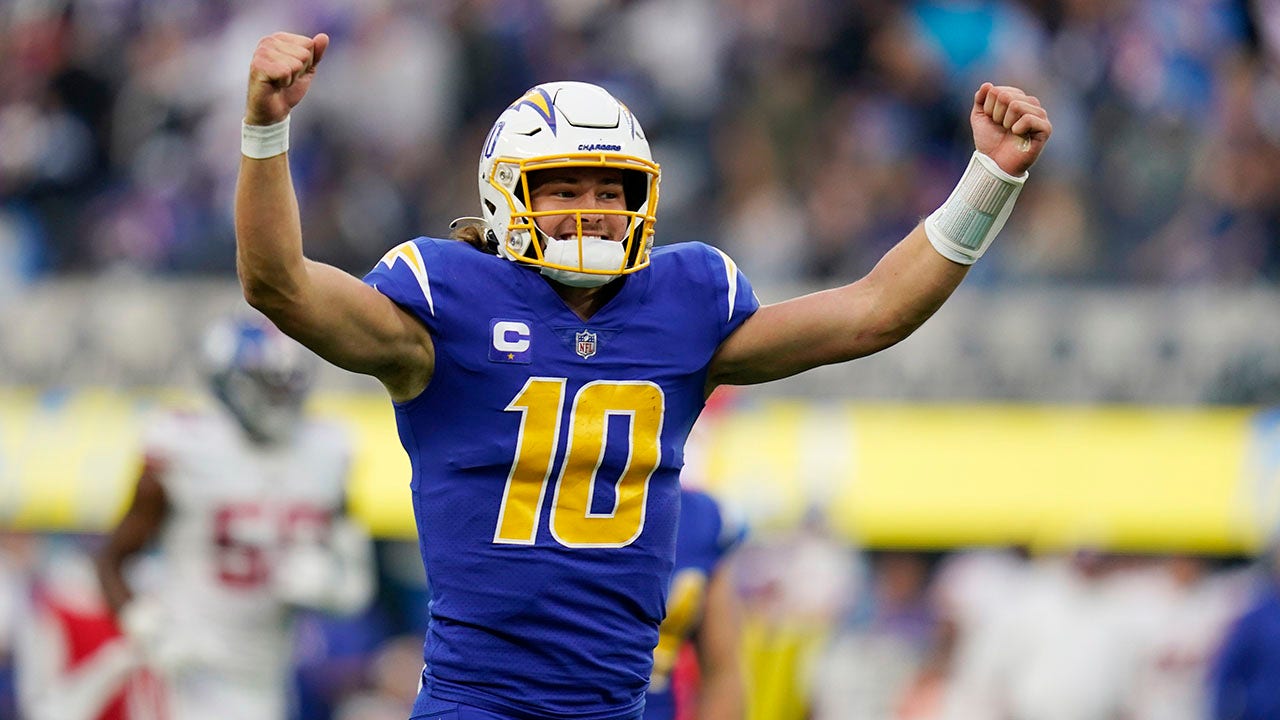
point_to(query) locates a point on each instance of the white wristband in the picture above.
(263, 141)
(971, 218)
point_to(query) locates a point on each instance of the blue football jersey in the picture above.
(545, 454)
(702, 542)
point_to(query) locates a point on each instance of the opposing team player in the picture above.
(245, 509)
(546, 372)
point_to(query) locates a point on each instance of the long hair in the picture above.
(472, 232)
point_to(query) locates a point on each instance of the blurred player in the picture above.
(246, 507)
(546, 371)
(702, 608)
(1185, 605)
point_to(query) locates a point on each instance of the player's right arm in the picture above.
(340, 318)
(139, 526)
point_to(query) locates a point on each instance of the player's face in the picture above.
(579, 189)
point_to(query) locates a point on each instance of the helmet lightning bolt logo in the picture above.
(540, 101)
(631, 120)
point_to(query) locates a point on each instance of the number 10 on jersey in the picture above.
(573, 523)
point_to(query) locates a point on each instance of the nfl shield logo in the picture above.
(585, 342)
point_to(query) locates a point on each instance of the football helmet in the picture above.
(567, 124)
(260, 374)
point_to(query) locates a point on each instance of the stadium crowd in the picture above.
(800, 136)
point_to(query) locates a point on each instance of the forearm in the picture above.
(140, 525)
(904, 289)
(269, 257)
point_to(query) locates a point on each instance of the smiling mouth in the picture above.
(574, 236)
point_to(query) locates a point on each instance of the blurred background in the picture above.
(1082, 439)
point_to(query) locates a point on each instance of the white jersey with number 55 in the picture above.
(238, 511)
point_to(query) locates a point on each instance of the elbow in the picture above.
(896, 333)
(265, 294)
(894, 310)
(892, 322)
(260, 295)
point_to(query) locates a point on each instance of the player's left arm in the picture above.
(337, 577)
(903, 290)
(354, 547)
(722, 691)
(350, 547)
(337, 574)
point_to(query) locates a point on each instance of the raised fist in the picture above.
(1009, 126)
(280, 73)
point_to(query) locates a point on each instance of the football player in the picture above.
(546, 371)
(245, 508)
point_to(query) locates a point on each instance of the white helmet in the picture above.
(260, 374)
(567, 124)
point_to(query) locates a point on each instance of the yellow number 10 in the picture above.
(573, 524)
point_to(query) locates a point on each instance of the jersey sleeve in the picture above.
(734, 297)
(404, 275)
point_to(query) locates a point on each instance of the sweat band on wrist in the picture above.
(263, 141)
(972, 216)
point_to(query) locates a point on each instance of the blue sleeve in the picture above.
(734, 296)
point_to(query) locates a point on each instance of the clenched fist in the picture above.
(1009, 126)
(280, 73)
